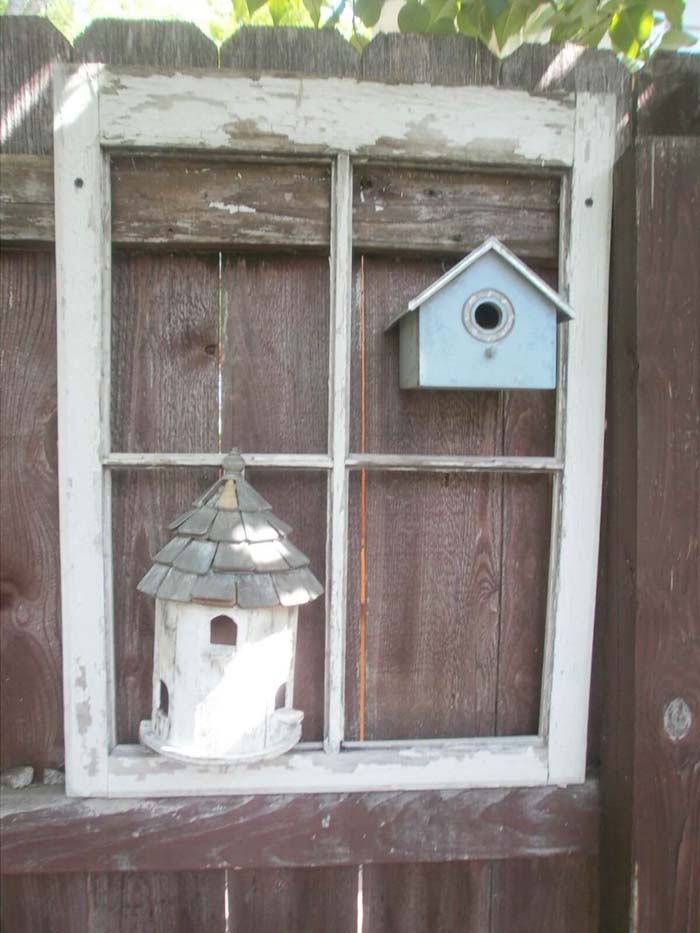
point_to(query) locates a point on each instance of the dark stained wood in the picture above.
(26, 199)
(275, 353)
(413, 59)
(44, 831)
(168, 44)
(433, 599)
(45, 903)
(667, 653)
(29, 48)
(171, 902)
(545, 894)
(299, 498)
(315, 901)
(449, 213)
(524, 562)
(284, 50)
(165, 314)
(400, 421)
(668, 97)
(182, 201)
(618, 552)
(30, 680)
(437, 898)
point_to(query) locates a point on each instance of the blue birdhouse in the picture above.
(488, 323)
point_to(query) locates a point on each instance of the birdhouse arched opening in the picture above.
(223, 631)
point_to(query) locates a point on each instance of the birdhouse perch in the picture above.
(227, 587)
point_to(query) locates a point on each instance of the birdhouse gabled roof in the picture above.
(564, 312)
(230, 549)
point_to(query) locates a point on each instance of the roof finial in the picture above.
(233, 463)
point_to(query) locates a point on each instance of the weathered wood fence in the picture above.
(525, 860)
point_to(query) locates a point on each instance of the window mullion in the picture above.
(339, 405)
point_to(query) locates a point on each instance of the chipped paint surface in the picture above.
(329, 115)
(232, 208)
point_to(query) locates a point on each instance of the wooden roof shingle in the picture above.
(229, 549)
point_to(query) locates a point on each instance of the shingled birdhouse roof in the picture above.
(229, 549)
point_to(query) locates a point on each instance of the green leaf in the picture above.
(277, 10)
(442, 27)
(467, 22)
(593, 36)
(413, 17)
(442, 9)
(254, 5)
(510, 22)
(630, 29)
(677, 39)
(313, 8)
(369, 11)
(494, 8)
(334, 18)
(564, 31)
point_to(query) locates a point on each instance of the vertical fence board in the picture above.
(314, 900)
(29, 48)
(146, 42)
(31, 679)
(667, 708)
(157, 902)
(308, 900)
(545, 894)
(164, 397)
(427, 898)
(275, 353)
(45, 903)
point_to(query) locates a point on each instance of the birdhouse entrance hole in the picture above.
(164, 699)
(224, 631)
(488, 315)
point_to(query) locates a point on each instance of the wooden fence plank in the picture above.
(545, 894)
(427, 898)
(45, 903)
(44, 831)
(315, 901)
(449, 213)
(31, 679)
(275, 353)
(433, 578)
(206, 201)
(413, 59)
(161, 902)
(146, 42)
(26, 199)
(29, 48)
(436, 422)
(667, 655)
(320, 53)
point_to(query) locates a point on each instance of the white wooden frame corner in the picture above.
(100, 110)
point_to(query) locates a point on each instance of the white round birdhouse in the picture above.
(227, 587)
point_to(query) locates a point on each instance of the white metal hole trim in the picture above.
(502, 302)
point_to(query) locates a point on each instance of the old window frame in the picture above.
(102, 110)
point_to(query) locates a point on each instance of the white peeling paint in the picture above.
(232, 208)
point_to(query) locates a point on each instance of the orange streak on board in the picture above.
(363, 506)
